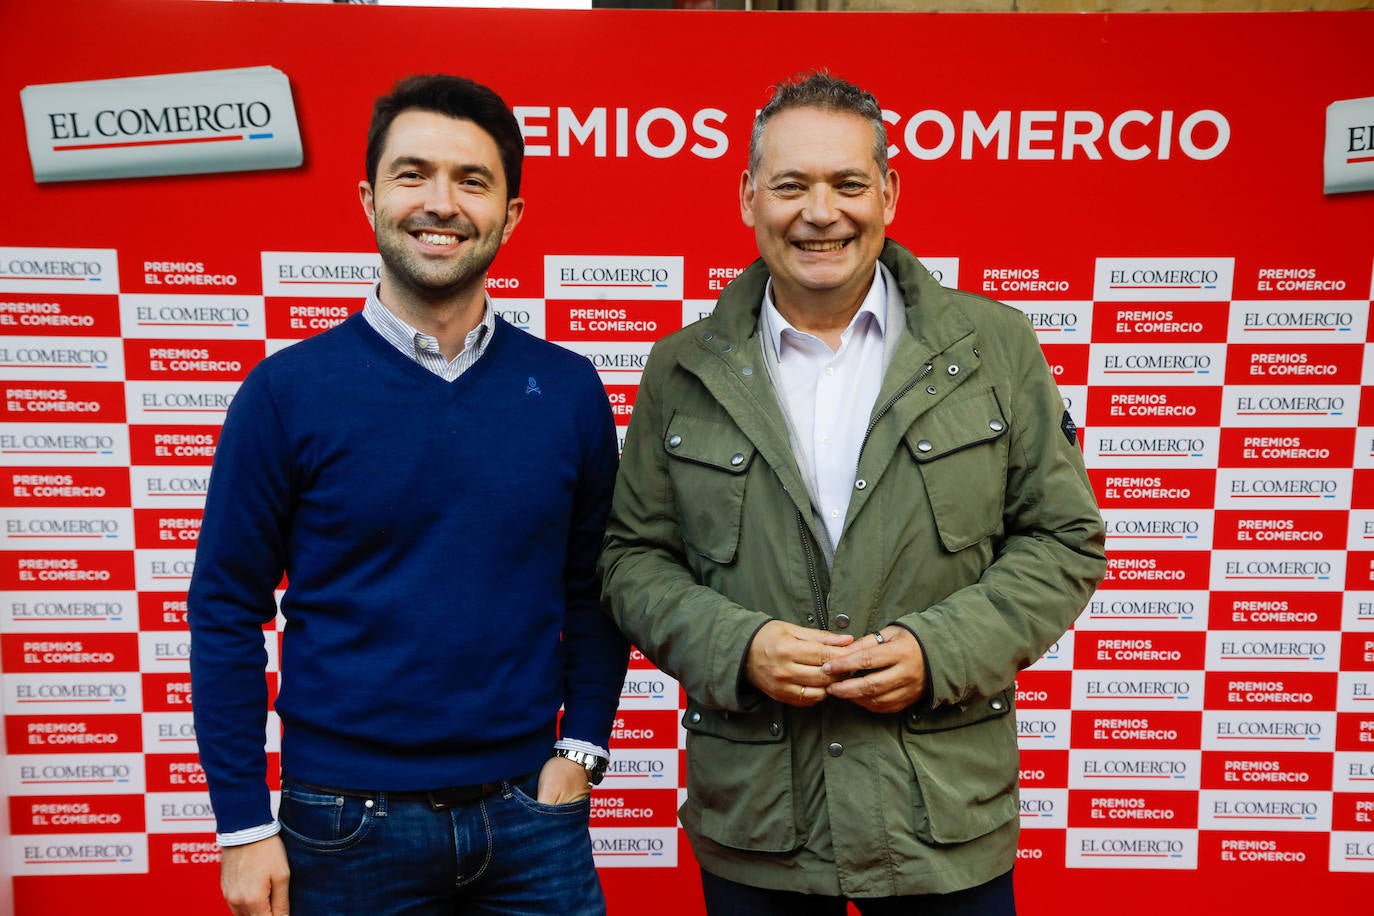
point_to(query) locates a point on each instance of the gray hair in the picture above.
(818, 89)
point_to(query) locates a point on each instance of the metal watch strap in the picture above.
(594, 765)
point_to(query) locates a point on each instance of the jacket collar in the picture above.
(726, 355)
(932, 320)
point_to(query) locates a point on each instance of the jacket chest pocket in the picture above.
(708, 464)
(960, 449)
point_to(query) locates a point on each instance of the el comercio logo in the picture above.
(171, 124)
(1349, 159)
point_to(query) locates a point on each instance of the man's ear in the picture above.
(515, 209)
(365, 197)
(746, 199)
(892, 186)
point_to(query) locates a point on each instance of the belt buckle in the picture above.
(452, 797)
(437, 803)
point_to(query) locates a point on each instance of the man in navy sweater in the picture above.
(433, 484)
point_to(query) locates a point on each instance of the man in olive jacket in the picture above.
(851, 507)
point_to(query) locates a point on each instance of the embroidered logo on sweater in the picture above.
(532, 386)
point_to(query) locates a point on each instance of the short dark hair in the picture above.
(818, 89)
(457, 97)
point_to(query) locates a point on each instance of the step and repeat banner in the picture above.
(1184, 206)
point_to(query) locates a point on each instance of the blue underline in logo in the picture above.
(260, 136)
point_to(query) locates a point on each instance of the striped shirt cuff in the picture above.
(586, 747)
(248, 835)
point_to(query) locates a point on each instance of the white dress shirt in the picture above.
(827, 396)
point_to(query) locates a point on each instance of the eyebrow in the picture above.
(799, 173)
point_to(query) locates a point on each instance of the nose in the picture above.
(820, 207)
(441, 198)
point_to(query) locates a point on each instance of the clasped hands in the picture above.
(882, 672)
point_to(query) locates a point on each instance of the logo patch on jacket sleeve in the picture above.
(1070, 430)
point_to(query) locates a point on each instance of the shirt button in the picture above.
(829, 370)
(674, 441)
(834, 513)
(825, 440)
(842, 621)
(836, 749)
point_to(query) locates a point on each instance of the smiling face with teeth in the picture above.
(440, 212)
(819, 206)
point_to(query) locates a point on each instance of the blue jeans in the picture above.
(504, 854)
(727, 898)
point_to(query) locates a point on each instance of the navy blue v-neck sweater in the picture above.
(439, 541)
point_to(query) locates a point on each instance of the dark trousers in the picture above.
(726, 898)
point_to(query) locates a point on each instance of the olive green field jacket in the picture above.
(972, 524)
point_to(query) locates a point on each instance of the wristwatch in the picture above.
(594, 765)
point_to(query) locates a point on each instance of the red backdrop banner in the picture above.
(1181, 203)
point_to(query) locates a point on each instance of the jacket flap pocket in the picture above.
(716, 445)
(739, 777)
(764, 726)
(948, 718)
(954, 425)
(708, 464)
(967, 782)
(967, 488)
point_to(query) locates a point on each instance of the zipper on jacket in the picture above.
(929, 368)
(817, 597)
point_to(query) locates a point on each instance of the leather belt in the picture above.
(451, 797)
(438, 799)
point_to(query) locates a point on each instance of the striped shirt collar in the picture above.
(424, 348)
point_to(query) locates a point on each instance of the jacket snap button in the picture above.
(924, 445)
(737, 459)
(836, 749)
(747, 370)
(842, 621)
(860, 484)
(996, 425)
(674, 441)
(953, 370)
(696, 717)
(931, 389)
(726, 348)
(774, 729)
(996, 705)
